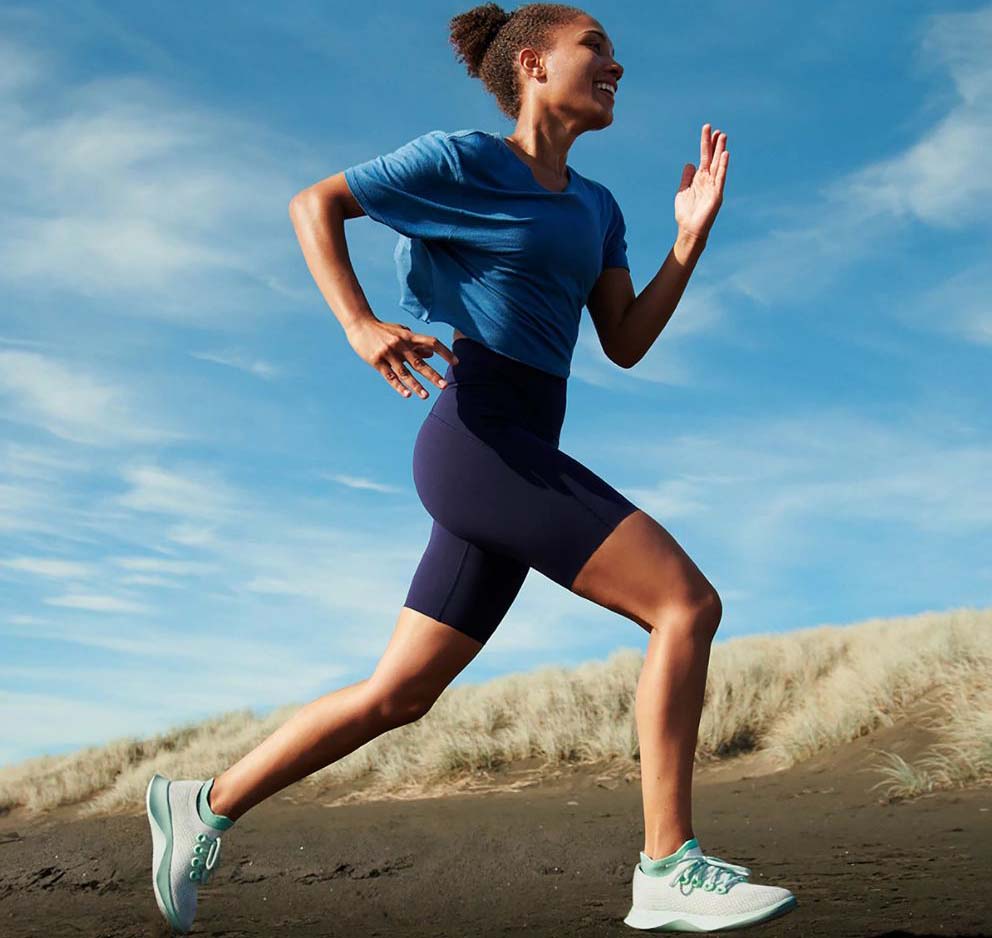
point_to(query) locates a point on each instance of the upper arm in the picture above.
(416, 190)
(333, 189)
(612, 293)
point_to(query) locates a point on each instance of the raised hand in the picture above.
(700, 192)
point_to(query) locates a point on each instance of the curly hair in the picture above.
(487, 39)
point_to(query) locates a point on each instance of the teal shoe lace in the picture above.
(712, 873)
(205, 855)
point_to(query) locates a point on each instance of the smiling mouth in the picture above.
(605, 94)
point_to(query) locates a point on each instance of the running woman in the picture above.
(503, 239)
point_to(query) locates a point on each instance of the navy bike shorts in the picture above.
(503, 496)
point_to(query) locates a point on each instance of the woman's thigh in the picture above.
(642, 572)
(463, 585)
(514, 494)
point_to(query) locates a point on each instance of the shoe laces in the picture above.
(206, 852)
(712, 873)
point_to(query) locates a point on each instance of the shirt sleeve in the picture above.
(413, 190)
(615, 243)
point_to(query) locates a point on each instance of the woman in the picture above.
(504, 240)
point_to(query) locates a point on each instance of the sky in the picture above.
(206, 497)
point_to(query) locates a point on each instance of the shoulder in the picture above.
(455, 144)
(470, 151)
(434, 148)
(603, 195)
(604, 191)
(470, 142)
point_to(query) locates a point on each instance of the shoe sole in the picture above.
(652, 920)
(160, 822)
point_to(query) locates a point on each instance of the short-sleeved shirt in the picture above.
(487, 249)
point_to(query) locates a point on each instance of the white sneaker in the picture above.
(185, 849)
(696, 892)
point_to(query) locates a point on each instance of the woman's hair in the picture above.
(487, 39)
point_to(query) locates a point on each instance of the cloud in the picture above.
(852, 219)
(71, 403)
(97, 603)
(129, 193)
(191, 535)
(240, 361)
(35, 462)
(50, 566)
(143, 579)
(357, 482)
(163, 491)
(165, 565)
(771, 489)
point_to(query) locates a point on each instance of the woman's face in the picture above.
(581, 56)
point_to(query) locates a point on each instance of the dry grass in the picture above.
(963, 721)
(792, 695)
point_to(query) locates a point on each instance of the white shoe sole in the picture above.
(653, 920)
(159, 817)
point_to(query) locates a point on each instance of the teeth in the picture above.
(606, 87)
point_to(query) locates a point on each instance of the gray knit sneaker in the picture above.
(185, 844)
(689, 891)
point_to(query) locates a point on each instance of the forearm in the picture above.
(319, 227)
(651, 310)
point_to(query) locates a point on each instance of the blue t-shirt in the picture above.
(484, 247)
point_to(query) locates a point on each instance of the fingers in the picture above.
(718, 167)
(713, 156)
(408, 352)
(721, 172)
(431, 345)
(711, 148)
(390, 370)
(400, 368)
(435, 345)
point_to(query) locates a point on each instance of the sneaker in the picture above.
(695, 892)
(185, 847)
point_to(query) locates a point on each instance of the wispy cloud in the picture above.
(242, 362)
(36, 462)
(200, 495)
(934, 181)
(165, 565)
(357, 482)
(50, 567)
(762, 486)
(96, 603)
(171, 208)
(71, 403)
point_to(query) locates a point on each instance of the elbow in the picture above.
(313, 203)
(298, 202)
(621, 358)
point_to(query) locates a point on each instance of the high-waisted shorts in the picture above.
(503, 496)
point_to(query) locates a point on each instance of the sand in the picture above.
(553, 859)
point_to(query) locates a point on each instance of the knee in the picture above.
(398, 705)
(698, 613)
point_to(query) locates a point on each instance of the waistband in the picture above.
(476, 360)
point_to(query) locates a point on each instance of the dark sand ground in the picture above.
(554, 859)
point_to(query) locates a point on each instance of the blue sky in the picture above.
(206, 499)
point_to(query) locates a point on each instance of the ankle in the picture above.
(207, 805)
(661, 848)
